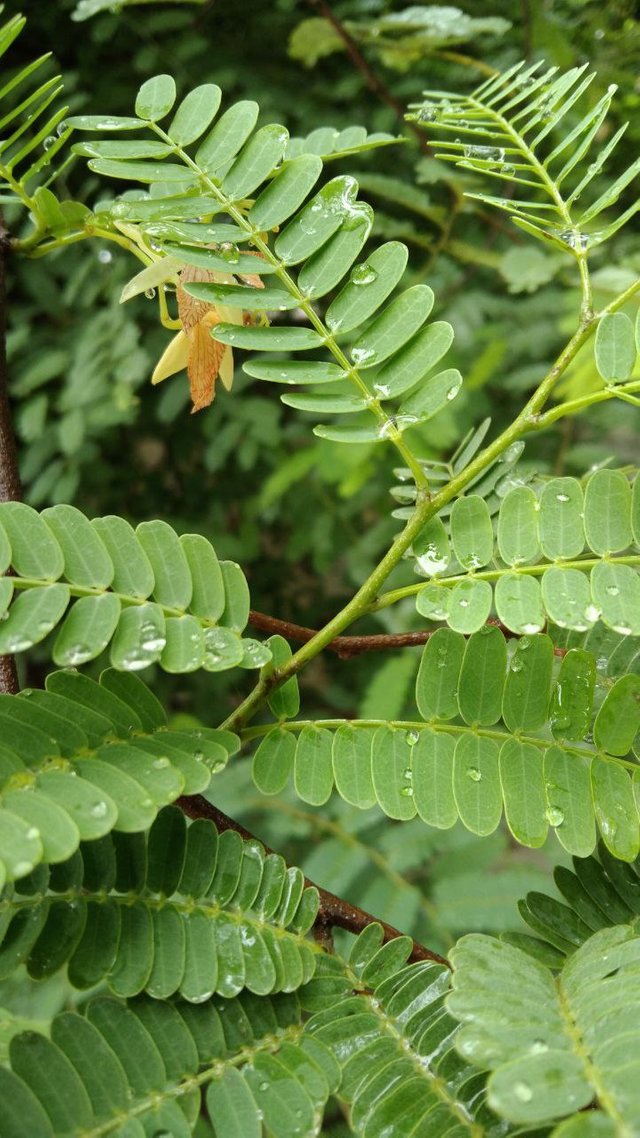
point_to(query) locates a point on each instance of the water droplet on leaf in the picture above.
(363, 274)
(554, 815)
(523, 1092)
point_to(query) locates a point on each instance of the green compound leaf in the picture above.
(84, 758)
(314, 250)
(394, 1046)
(131, 1069)
(562, 554)
(508, 129)
(147, 595)
(192, 947)
(552, 1045)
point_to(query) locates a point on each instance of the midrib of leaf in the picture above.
(387, 425)
(592, 1073)
(270, 1045)
(421, 1066)
(23, 583)
(155, 903)
(501, 736)
(537, 570)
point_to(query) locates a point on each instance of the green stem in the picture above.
(350, 613)
(575, 406)
(426, 508)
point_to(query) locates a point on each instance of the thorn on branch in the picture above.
(334, 912)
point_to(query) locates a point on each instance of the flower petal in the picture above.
(174, 358)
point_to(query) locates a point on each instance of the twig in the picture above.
(10, 489)
(373, 81)
(334, 912)
(347, 646)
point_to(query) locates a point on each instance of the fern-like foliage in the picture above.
(393, 1039)
(81, 759)
(509, 129)
(241, 185)
(499, 730)
(555, 551)
(148, 594)
(554, 1044)
(33, 134)
(177, 909)
(140, 1068)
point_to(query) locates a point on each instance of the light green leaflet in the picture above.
(615, 348)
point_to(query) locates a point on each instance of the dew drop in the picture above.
(363, 355)
(474, 774)
(150, 293)
(99, 810)
(33, 833)
(523, 1092)
(49, 141)
(363, 274)
(554, 815)
(562, 497)
(77, 654)
(18, 643)
(161, 763)
(574, 239)
(428, 113)
(413, 737)
(407, 792)
(612, 590)
(229, 252)
(382, 389)
(487, 153)
(105, 256)
(387, 427)
(22, 867)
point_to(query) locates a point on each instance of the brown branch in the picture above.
(373, 81)
(334, 912)
(347, 646)
(10, 489)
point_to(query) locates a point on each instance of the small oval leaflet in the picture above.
(615, 348)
